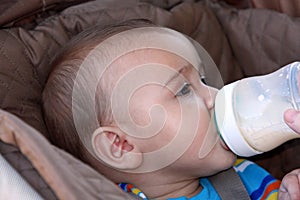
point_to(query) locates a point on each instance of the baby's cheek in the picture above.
(139, 115)
(166, 119)
(146, 105)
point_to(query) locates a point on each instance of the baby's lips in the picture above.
(224, 145)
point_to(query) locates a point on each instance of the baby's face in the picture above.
(170, 113)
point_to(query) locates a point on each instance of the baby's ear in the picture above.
(111, 146)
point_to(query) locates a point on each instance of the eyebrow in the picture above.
(177, 74)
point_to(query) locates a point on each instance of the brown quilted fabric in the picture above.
(261, 40)
(22, 13)
(291, 7)
(19, 82)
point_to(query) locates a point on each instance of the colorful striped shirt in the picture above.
(259, 184)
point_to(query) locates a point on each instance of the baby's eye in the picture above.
(184, 90)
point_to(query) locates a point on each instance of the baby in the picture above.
(130, 100)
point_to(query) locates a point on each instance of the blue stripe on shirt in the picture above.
(257, 193)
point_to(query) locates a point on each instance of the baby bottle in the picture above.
(249, 112)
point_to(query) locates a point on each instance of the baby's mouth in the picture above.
(211, 139)
(224, 145)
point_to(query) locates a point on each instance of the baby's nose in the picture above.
(209, 97)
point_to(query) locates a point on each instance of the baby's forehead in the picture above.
(147, 45)
(149, 56)
(148, 64)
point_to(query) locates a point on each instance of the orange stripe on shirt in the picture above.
(273, 186)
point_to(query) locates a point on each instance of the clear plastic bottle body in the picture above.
(249, 113)
(260, 103)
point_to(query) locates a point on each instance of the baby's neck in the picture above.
(188, 188)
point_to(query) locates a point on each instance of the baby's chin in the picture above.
(226, 156)
(221, 154)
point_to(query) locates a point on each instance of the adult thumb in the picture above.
(292, 119)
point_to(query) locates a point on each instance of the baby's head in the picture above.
(129, 100)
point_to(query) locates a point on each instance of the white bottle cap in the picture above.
(227, 124)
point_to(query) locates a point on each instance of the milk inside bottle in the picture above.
(249, 112)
